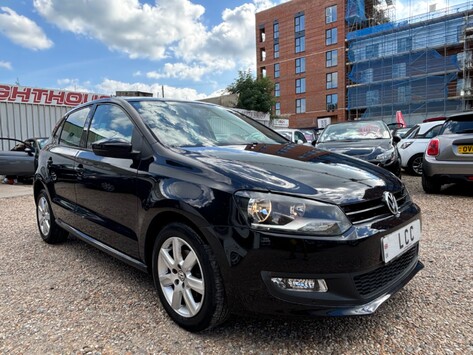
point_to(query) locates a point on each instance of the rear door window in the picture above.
(73, 127)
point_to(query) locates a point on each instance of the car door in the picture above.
(58, 164)
(19, 160)
(106, 189)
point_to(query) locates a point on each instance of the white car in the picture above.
(294, 135)
(412, 147)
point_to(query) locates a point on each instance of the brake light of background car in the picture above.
(433, 148)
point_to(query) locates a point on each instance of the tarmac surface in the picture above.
(15, 190)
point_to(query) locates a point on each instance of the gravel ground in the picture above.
(74, 299)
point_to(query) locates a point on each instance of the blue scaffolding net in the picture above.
(403, 66)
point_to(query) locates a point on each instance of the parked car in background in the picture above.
(368, 140)
(449, 156)
(400, 132)
(412, 146)
(20, 162)
(227, 215)
(294, 135)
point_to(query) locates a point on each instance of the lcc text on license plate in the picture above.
(396, 243)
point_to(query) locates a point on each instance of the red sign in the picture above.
(27, 95)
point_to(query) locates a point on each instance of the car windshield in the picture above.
(184, 124)
(462, 124)
(354, 131)
(285, 134)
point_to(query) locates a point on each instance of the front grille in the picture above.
(361, 212)
(374, 280)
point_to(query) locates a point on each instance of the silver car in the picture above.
(449, 156)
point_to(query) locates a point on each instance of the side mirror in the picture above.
(396, 139)
(114, 148)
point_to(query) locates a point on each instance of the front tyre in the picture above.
(48, 229)
(188, 279)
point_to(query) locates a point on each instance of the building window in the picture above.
(367, 75)
(276, 70)
(331, 36)
(263, 72)
(276, 50)
(300, 44)
(403, 94)
(331, 14)
(372, 97)
(262, 54)
(404, 44)
(299, 23)
(332, 80)
(262, 34)
(331, 58)
(277, 90)
(372, 50)
(332, 102)
(300, 85)
(277, 109)
(399, 70)
(300, 105)
(300, 65)
(276, 30)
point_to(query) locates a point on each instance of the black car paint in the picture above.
(119, 204)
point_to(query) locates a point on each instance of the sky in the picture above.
(192, 48)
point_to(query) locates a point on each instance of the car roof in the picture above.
(461, 115)
(425, 126)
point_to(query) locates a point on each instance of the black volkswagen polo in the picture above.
(227, 215)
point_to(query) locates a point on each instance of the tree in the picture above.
(253, 94)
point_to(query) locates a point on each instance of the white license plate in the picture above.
(396, 243)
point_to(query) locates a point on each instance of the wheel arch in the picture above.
(158, 223)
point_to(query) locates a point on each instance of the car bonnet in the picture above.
(296, 170)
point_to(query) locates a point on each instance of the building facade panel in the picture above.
(312, 39)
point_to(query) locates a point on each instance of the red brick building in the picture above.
(301, 48)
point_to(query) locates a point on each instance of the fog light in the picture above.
(313, 285)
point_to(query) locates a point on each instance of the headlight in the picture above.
(405, 145)
(386, 155)
(278, 213)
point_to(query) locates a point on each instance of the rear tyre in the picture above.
(415, 164)
(187, 278)
(430, 185)
(48, 229)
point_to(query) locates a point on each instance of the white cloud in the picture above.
(109, 87)
(22, 31)
(168, 29)
(5, 65)
(74, 85)
(140, 30)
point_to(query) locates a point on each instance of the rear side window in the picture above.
(109, 121)
(73, 127)
(458, 125)
(433, 132)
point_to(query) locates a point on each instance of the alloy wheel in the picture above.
(180, 277)
(417, 165)
(44, 216)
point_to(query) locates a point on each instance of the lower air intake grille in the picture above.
(374, 280)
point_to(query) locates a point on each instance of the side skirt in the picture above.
(103, 247)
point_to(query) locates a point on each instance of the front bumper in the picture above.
(358, 280)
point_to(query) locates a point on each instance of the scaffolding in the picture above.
(421, 66)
